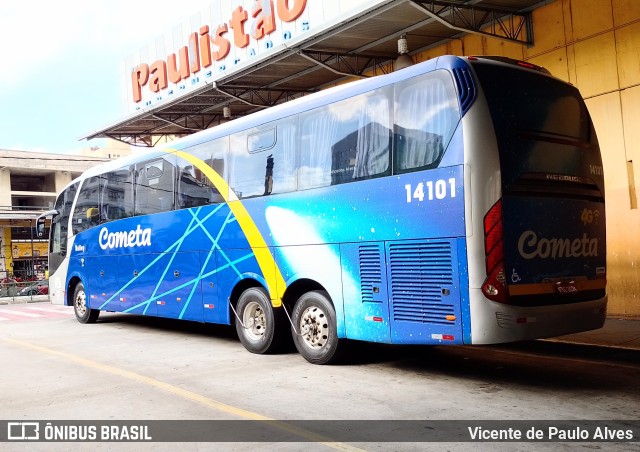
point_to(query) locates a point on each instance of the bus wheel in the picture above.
(84, 314)
(257, 325)
(314, 318)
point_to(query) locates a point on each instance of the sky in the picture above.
(61, 65)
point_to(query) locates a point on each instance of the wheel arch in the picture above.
(71, 287)
(239, 287)
(299, 287)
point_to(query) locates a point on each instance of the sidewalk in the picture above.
(24, 299)
(617, 332)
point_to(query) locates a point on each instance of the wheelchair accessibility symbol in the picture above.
(515, 278)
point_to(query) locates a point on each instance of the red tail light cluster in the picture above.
(494, 287)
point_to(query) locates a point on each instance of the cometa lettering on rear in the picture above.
(124, 239)
(530, 246)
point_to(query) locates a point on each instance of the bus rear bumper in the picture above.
(497, 322)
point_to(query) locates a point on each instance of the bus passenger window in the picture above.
(263, 159)
(427, 114)
(346, 141)
(154, 186)
(59, 229)
(86, 213)
(194, 187)
(117, 195)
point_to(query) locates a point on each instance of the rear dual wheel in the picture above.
(262, 329)
(315, 333)
(259, 327)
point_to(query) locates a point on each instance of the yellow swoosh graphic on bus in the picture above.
(270, 270)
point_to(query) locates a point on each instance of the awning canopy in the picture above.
(353, 47)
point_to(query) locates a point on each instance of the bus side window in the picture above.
(427, 114)
(154, 186)
(194, 188)
(86, 213)
(346, 141)
(263, 159)
(117, 195)
(59, 223)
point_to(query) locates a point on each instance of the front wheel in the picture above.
(314, 318)
(84, 314)
(259, 327)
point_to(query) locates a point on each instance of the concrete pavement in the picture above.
(618, 332)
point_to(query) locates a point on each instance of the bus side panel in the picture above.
(215, 308)
(138, 279)
(465, 302)
(101, 279)
(424, 285)
(364, 276)
(179, 294)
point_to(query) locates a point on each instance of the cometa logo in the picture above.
(124, 239)
(530, 246)
(204, 48)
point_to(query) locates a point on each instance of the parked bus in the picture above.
(458, 201)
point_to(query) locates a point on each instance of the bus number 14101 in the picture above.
(439, 189)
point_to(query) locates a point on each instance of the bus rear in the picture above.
(542, 231)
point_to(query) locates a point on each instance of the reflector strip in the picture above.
(443, 337)
(161, 303)
(373, 318)
(526, 320)
(208, 306)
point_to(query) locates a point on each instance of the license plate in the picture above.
(566, 288)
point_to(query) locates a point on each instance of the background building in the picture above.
(29, 183)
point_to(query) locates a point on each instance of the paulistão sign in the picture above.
(216, 47)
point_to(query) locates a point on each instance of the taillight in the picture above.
(494, 287)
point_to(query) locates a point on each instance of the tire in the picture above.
(84, 314)
(261, 329)
(315, 319)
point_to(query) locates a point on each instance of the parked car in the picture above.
(37, 288)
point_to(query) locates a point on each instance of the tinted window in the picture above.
(87, 211)
(427, 114)
(194, 187)
(263, 159)
(60, 222)
(532, 102)
(346, 141)
(117, 195)
(154, 185)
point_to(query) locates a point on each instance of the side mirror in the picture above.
(40, 221)
(40, 227)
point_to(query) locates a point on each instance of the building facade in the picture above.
(29, 183)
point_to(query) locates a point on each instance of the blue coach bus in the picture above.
(458, 201)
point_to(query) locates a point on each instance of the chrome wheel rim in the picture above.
(81, 303)
(254, 321)
(314, 327)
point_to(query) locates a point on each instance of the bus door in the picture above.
(424, 291)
